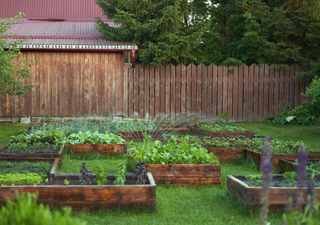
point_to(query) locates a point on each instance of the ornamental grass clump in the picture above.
(266, 168)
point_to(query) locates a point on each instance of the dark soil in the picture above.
(32, 150)
(25, 167)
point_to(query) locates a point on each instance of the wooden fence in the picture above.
(248, 93)
(88, 84)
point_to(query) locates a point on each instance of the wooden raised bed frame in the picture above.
(259, 157)
(198, 131)
(250, 197)
(227, 154)
(286, 166)
(93, 197)
(33, 156)
(98, 148)
(182, 174)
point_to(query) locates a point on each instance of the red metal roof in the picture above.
(56, 28)
(64, 35)
(58, 9)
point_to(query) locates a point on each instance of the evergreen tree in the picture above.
(166, 31)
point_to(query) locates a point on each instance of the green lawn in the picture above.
(310, 135)
(191, 205)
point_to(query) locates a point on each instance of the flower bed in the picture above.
(250, 197)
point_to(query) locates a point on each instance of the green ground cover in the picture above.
(188, 205)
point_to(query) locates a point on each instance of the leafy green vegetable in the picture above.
(93, 138)
(121, 174)
(171, 153)
(101, 175)
(20, 178)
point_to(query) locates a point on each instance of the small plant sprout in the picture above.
(121, 174)
(66, 182)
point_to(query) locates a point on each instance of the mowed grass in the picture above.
(72, 162)
(189, 205)
(310, 135)
(8, 130)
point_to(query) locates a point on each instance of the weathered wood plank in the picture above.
(131, 92)
(235, 98)
(276, 92)
(246, 92)
(147, 90)
(172, 92)
(220, 97)
(209, 93)
(291, 86)
(261, 97)
(167, 95)
(266, 87)
(281, 91)
(214, 92)
(142, 93)
(194, 89)
(250, 94)
(177, 89)
(72, 83)
(162, 90)
(271, 91)
(230, 91)
(183, 90)
(204, 88)
(98, 148)
(152, 92)
(157, 95)
(86, 83)
(189, 89)
(256, 93)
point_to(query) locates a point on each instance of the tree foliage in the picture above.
(264, 31)
(13, 72)
(165, 31)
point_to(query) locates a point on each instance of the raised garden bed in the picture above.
(19, 165)
(183, 174)
(259, 157)
(250, 197)
(93, 197)
(98, 148)
(52, 152)
(286, 165)
(199, 131)
(227, 154)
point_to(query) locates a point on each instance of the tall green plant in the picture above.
(13, 72)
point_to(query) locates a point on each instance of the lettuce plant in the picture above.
(93, 138)
(171, 153)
